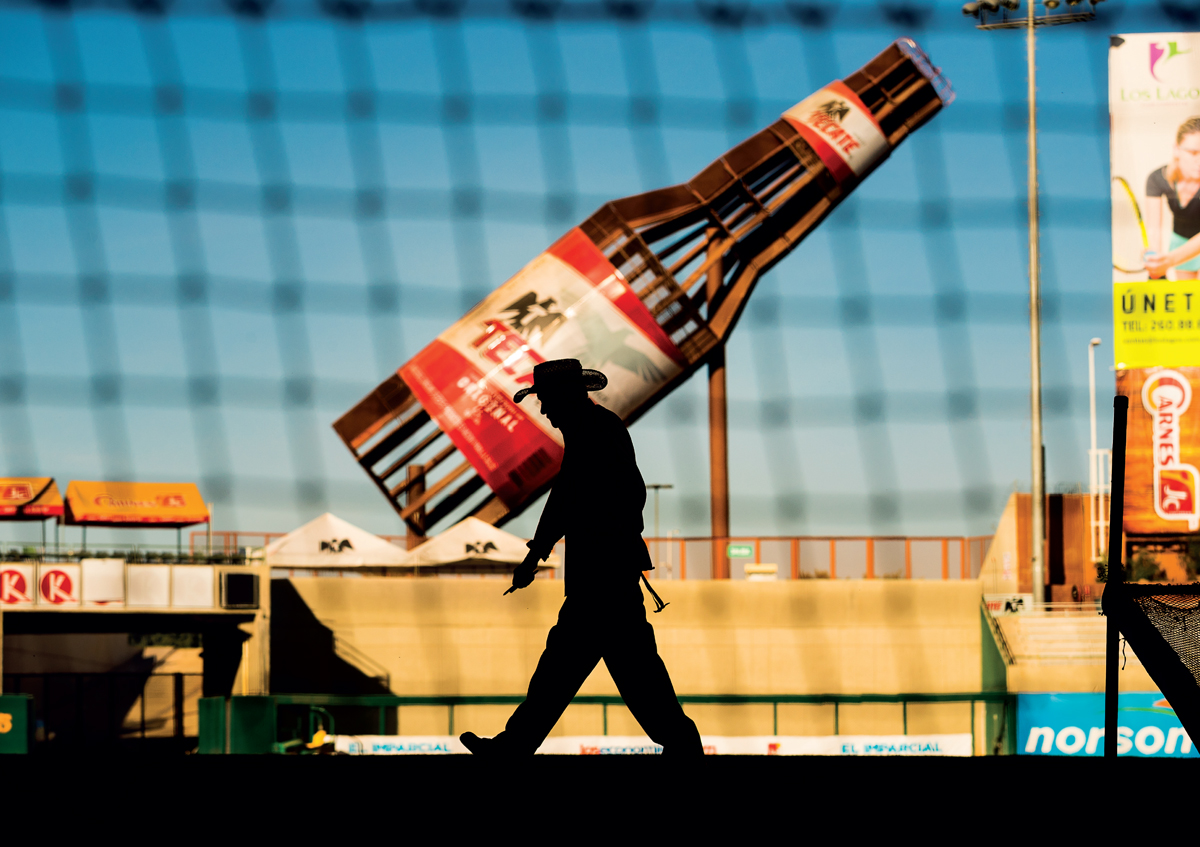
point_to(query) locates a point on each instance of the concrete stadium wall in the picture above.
(439, 637)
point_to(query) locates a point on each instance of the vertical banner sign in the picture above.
(1162, 487)
(569, 302)
(1154, 110)
(1154, 119)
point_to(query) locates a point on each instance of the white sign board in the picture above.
(192, 586)
(149, 585)
(957, 744)
(103, 582)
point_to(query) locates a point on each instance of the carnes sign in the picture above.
(1162, 485)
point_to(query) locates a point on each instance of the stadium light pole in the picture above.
(1029, 22)
(657, 487)
(1098, 531)
(1092, 345)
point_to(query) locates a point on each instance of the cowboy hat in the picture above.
(562, 375)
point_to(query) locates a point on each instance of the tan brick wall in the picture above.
(790, 637)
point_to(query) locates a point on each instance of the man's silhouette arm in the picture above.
(551, 528)
(552, 525)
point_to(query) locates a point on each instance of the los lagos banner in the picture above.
(1154, 109)
(1154, 116)
(569, 302)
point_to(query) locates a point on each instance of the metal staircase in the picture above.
(1058, 634)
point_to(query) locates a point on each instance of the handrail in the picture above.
(1010, 658)
(856, 556)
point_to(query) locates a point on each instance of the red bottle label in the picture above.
(569, 302)
(840, 129)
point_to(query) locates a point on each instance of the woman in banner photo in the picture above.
(1178, 184)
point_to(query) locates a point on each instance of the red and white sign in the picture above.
(58, 585)
(16, 491)
(569, 302)
(1166, 395)
(16, 585)
(840, 129)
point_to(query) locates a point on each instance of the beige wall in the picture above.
(1029, 676)
(728, 637)
(1000, 566)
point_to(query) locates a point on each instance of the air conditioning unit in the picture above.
(239, 590)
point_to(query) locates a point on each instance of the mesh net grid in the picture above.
(222, 223)
(1175, 614)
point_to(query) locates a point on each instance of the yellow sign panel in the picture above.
(128, 503)
(1156, 324)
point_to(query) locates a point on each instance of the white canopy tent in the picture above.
(473, 542)
(330, 542)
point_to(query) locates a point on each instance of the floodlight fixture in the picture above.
(1029, 22)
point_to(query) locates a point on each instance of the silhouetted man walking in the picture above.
(597, 504)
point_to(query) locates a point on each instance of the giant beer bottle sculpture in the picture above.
(643, 290)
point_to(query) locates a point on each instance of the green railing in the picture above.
(251, 724)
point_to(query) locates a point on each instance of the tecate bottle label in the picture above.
(840, 130)
(568, 303)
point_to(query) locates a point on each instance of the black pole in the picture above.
(1115, 575)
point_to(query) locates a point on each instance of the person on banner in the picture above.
(1176, 186)
(596, 503)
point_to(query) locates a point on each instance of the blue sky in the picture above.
(189, 294)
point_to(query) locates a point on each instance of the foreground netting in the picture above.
(1162, 625)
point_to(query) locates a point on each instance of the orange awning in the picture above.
(29, 498)
(161, 504)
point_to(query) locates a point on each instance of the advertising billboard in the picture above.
(1073, 725)
(1162, 486)
(1154, 119)
(568, 303)
(1154, 111)
(951, 744)
(29, 498)
(164, 504)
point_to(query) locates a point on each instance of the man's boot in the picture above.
(493, 747)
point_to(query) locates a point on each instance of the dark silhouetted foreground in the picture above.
(596, 504)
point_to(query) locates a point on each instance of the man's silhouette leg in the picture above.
(631, 655)
(572, 652)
